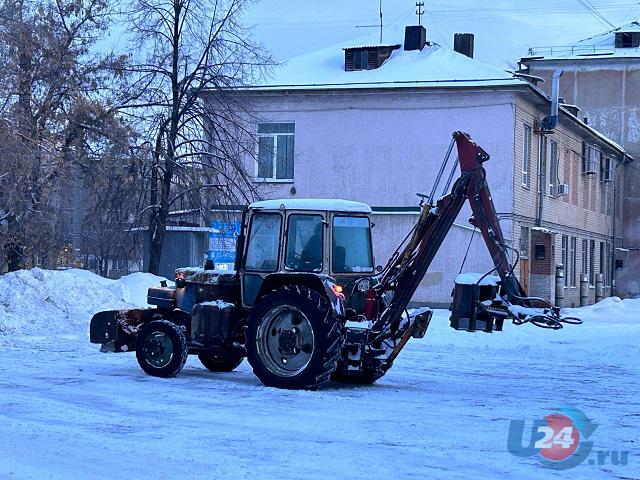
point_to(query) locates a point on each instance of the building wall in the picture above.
(181, 249)
(585, 213)
(608, 92)
(382, 148)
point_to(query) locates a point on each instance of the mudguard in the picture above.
(323, 284)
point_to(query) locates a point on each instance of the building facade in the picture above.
(378, 135)
(601, 75)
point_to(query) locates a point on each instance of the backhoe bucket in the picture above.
(465, 314)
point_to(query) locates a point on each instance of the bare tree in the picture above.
(53, 86)
(188, 47)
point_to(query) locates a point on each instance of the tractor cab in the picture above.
(311, 239)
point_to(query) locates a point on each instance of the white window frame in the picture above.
(565, 259)
(590, 162)
(554, 169)
(274, 155)
(585, 258)
(573, 258)
(606, 168)
(526, 156)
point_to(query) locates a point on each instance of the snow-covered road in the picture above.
(443, 411)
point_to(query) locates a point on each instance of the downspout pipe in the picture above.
(550, 122)
(612, 265)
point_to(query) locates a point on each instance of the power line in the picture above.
(588, 6)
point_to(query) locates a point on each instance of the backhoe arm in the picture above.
(406, 269)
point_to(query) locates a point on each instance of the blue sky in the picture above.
(504, 29)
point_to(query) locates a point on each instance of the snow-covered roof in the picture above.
(602, 45)
(433, 66)
(325, 204)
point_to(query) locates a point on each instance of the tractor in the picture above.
(306, 305)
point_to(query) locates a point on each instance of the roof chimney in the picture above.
(463, 43)
(415, 37)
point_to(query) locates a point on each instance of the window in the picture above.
(275, 151)
(592, 262)
(590, 154)
(361, 59)
(553, 169)
(524, 242)
(603, 262)
(351, 245)
(627, 39)
(542, 164)
(264, 242)
(607, 271)
(585, 257)
(304, 243)
(565, 259)
(573, 260)
(526, 155)
(606, 170)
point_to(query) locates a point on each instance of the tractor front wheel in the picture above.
(293, 339)
(161, 348)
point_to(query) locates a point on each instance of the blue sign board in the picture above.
(222, 243)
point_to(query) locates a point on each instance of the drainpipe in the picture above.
(542, 187)
(612, 260)
(547, 124)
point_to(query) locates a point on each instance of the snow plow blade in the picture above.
(113, 329)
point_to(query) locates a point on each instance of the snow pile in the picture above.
(611, 309)
(53, 301)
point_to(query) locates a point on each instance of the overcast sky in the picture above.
(503, 29)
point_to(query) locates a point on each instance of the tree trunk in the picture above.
(15, 256)
(157, 229)
(158, 224)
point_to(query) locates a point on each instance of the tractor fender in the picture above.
(323, 284)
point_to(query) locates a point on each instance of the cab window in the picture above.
(351, 245)
(304, 243)
(264, 242)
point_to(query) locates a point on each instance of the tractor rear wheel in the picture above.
(161, 348)
(226, 361)
(293, 339)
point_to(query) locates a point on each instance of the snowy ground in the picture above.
(443, 411)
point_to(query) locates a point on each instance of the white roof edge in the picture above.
(474, 82)
(324, 204)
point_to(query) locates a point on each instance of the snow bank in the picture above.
(611, 309)
(62, 301)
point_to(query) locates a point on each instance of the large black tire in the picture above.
(161, 348)
(272, 340)
(226, 361)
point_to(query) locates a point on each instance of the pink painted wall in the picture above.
(382, 148)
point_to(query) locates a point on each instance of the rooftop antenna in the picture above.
(380, 21)
(419, 11)
(375, 26)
